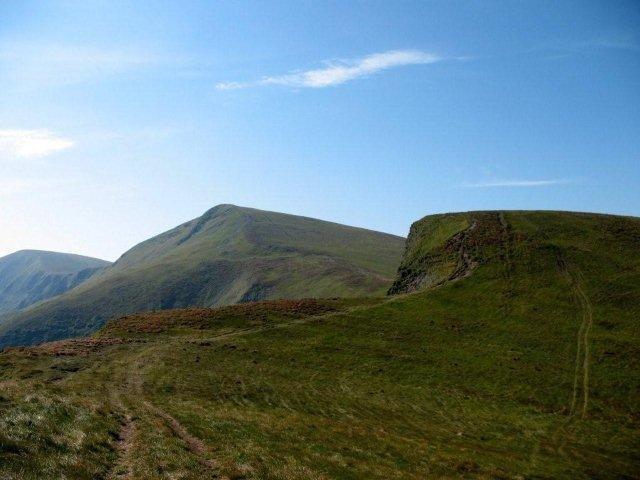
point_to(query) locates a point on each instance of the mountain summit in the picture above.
(228, 255)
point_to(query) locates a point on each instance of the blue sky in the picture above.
(119, 120)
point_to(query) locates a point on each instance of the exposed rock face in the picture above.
(445, 248)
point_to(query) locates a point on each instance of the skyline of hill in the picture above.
(228, 255)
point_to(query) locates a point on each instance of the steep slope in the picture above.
(229, 255)
(29, 276)
(522, 363)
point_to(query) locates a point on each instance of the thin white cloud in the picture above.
(515, 183)
(17, 144)
(236, 85)
(338, 72)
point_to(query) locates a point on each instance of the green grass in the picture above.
(473, 379)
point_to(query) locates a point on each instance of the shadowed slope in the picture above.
(229, 255)
(29, 276)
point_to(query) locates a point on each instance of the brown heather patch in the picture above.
(68, 348)
(255, 313)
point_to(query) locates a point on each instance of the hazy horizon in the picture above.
(120, 121)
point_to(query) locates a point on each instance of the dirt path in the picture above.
(564, 435)
(132, 390)
(582, 359)
(506, 242)
(127, 383)
(576, 372)
(298, 321)
(194, 444)
(585, 327)
(122, 468)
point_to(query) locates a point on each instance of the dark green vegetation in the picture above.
(516, 356)
(29, 276)
(229, 255)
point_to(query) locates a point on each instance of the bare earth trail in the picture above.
(565, 432)
(506, 242)
(194, 444)
(129, 399)
(132, 394)
(574, 278)
(585, 328)
(122, 468)
(581, 369)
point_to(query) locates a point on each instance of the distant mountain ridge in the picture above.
(30, 276)
(228, 255)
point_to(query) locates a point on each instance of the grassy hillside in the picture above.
(229, 255)
(29, 276)
(523, 363)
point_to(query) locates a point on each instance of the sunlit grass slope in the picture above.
(228, 255)
(515, 356)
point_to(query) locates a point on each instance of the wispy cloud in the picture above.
(515, 183)
(17, 144)
(338, 72)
